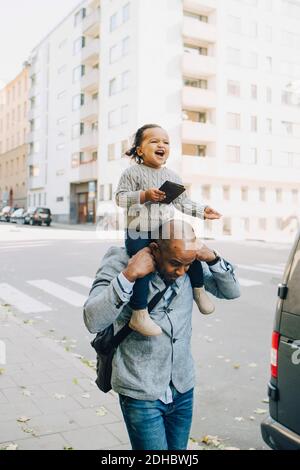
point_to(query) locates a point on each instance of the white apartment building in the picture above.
(63, 142)
(221, 76)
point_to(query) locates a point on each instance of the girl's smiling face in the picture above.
(155, 147)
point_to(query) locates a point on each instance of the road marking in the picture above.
(278, 267)
(21, 301)
(82, 280)
(261, 270)
(67, 295)
(28, 245)
(248, 282)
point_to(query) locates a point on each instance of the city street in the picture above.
(46, 274)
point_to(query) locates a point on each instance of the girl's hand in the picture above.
(211, 214)
(154, 195)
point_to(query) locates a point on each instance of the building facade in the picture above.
(13, 147)
(221, 77)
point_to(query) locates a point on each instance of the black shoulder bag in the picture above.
(105, 344)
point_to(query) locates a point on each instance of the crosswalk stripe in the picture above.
(82, 280)
(271, 266)
(258, 269)
(28, 245)
(67, 295)
(248, 282)
(21, 301)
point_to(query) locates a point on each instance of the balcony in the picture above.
(198, 66)
(90, 81)
(198, 98)
(84, 172)
(90, 53)
(193, 167)
(194, 29)
(200, 6)
(89, 141)
(89, 111)
(91, 24)
(197, 132)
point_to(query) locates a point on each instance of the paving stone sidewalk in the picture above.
(48, 397)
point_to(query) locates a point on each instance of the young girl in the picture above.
(138, 193)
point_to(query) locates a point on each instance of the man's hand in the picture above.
(211, 214)
(204, 253)
(140, 265)
(154, 195)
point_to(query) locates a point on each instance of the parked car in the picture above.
(38, 216)
(281, 429)
(6, 213)
(17, 216)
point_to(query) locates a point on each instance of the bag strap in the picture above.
(126, 330)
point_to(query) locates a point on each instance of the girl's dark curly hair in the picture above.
(137, 142)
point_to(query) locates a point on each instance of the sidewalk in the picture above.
(48, 398)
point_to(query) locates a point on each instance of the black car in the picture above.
(38, 216)
(281, 430)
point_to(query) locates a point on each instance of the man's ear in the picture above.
(154, 247)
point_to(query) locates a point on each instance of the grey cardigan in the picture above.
(144, 366)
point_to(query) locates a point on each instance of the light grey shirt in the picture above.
(149, 216)
(143, 367)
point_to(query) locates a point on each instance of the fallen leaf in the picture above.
(211, 440)
(266, 400)
(236, 366)
(26, 393)
(2, 371)
(239, 419)
(101, 411)
(11, 447)
(260, 411)
(86, 395)
(252, 364)
(252, 418)
(59, 396)
(75, 381)
(23, 419)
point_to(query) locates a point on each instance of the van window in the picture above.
(292, 302)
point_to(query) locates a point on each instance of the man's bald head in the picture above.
(174, 231)
(174, 249)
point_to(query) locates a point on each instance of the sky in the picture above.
(23, 24)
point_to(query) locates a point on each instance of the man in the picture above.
(154, 376)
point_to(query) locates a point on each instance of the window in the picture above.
(110, 192)
(196, 83)
(34, 171)
(125, 46)
(254, 92)
(251, 60)
(75, 160)
(101, 192)
(233, 154)
(77, 130)
(78, 44)
(253, 124)
(113, 87)
(226, 226)
(79, 16)
(244, 194)
(269, 124)
(206, 192)
(233, 88)
(268, 33)
(126, 12)
(268, 157)
(278, 193)
(113, 118)
(233, 56)
(78, 72)
(269, 95)
(113, 54)
(194, 150)
(77, 101)
(226, 193)
(233, 121)
(262, 194)
(252, 156)
(111, 152)
(113, 23)
(262, 224)
(124, 114)
(295, 196)
(251, 29)
(125, 80)
(234, 24)
(124, 146)
(269, 64)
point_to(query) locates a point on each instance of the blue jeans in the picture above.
(138, 300)
(152, 425)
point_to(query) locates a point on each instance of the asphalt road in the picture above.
(231, 348)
